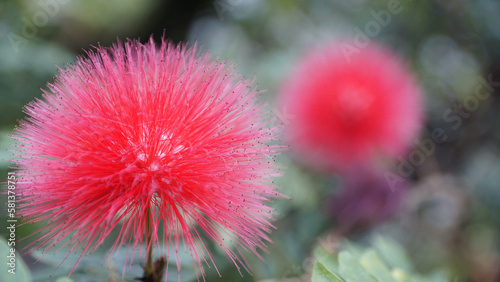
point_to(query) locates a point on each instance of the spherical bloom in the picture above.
(350, 109)
(159, 142)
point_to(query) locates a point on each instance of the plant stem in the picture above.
(149, 269)
(153, 271)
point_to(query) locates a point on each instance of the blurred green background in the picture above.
(450, 218)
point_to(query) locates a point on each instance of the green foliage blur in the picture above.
(383, 261)
(450, 220)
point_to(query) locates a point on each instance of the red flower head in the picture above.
(158, 142)
(350, 109)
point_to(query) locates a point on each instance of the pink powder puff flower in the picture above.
(350, 109)
(162, 143)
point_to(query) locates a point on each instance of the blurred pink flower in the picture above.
(350, 110)
(153, 141)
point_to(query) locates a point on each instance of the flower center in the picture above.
(354, 104)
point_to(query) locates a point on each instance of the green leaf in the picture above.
(437, 276)
(17, 271)
(356, 263)
(374, 265)
(64, 279)
(353, 248)
(321, 274)
(400, 275)
(392, 253)
(328, 260)
(351, 270)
